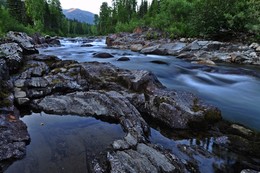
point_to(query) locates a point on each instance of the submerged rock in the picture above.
(123, 59)
(159, 62)
(103, 55)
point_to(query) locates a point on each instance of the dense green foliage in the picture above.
(178, 18)
(20, 15)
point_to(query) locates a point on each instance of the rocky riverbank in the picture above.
(134, 99)
(195, 50)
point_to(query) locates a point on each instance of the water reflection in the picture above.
(64, 143)
(209, 153)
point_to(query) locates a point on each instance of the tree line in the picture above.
(183, 18)
(176, 18)
(44, 16)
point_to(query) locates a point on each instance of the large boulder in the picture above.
(173, 48)
(136, 47)
(12, 54)
(157, 50)
(52, 41)
(108, 105)
(23, 40)
(176, 109)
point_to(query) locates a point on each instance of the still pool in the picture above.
(65, 143)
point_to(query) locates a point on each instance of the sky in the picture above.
(87, 5)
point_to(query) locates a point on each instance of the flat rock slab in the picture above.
(144, 158)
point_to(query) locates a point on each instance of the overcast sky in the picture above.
(88, 5)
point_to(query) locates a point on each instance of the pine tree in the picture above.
(17, 10)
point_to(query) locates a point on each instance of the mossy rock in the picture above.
(158, 100)
(212, 115)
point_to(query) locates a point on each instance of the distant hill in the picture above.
(80, 15)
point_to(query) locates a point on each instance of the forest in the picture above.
(175, 18)
(43, 16)
(183, 18)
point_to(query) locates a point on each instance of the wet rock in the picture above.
(212, 50)
(23, 40)
(194, 46)
(186, 56)
(46, 58)
(154, 50)
(140, 80)
(86, 45)
(183, 40)
(37, 39)
(123, 59)
(34, 68)
(157, 158)
(12, 55)
(4, 72)
(110, 39)
(212, 45)
(173, 48)
(37, 82)
(19, 83)
(237, 58)
(136, 47)
(52, 41)
(65, 86)
(120, 145)
(109, 105)
(130, 161)
(204, 62)
(253, 55)
(179, 110)
(144, 159)
(242, 129)
(23, 101)
(13, 138)
(159, 62)
(103, 55)
(249, 171)
(38, 92)
(254, 45)
(19, 94)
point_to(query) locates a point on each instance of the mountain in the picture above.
(80, 15)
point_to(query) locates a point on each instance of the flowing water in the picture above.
(69, 143)
(233, 89)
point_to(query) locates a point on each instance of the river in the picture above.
(232, 88)
(69, 143)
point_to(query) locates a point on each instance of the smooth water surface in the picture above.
(64, 143)
(209, 155)
(234, 89)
